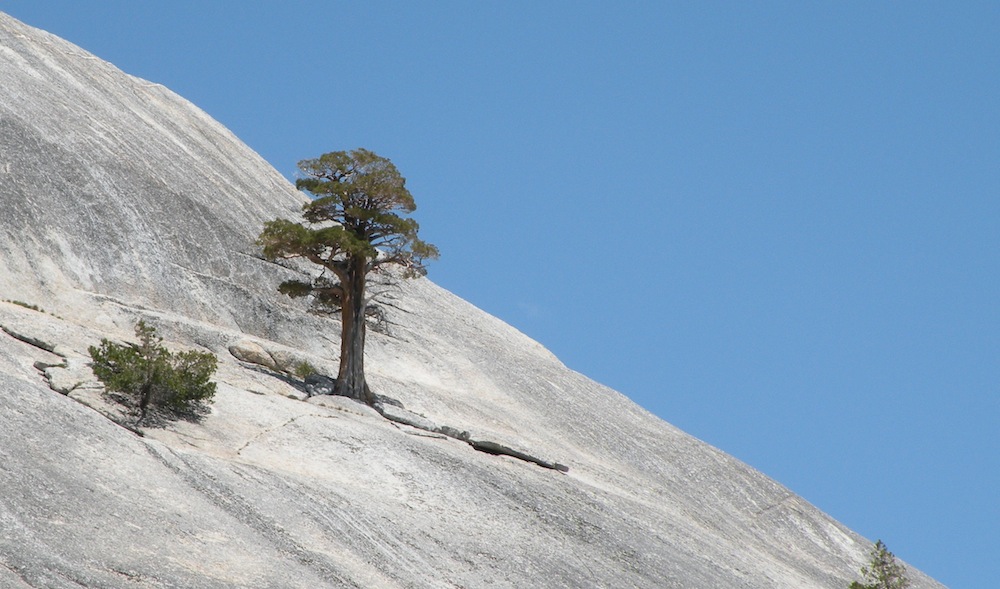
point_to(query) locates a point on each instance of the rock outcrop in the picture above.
(122, 201)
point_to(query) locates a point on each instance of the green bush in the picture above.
(304, 369)
(25, 305)
(151, 376)
(882, 571)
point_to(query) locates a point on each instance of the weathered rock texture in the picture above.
(122, 201)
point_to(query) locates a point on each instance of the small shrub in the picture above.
(150, 375)
(882, 571)
(26, 305)
(304, 370)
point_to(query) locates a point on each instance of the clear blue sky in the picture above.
(774, 224)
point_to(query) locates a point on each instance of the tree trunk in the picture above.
(351, 377)
(145, 396)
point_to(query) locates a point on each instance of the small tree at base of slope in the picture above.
(882, 571)
(149, 375)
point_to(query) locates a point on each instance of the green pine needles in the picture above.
(882, 571)
(149, 375)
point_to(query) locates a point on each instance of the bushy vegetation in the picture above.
(882, 571)
(304, 370)
(25, 305)
(149, 375)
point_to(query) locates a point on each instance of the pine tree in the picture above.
(354, 226)
(882, 571)
(151, 375)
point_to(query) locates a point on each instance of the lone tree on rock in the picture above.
(882, 572)
(354, 225)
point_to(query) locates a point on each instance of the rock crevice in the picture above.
(396, 413)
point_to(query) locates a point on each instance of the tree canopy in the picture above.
(357, 212)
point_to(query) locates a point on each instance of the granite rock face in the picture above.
(121, 201)
(117, 188)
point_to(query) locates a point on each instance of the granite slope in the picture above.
(123, 201)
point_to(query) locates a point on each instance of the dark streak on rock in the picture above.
(485, 446)
(501, 450)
